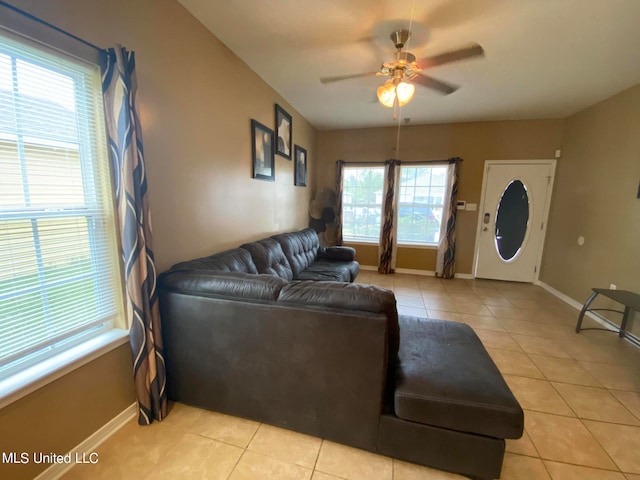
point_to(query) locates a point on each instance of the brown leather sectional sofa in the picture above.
(274, 331)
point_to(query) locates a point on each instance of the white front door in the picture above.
(512, 219)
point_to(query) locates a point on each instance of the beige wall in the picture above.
(196, 100)
(474, 142)
(60, 415)
(595, 196)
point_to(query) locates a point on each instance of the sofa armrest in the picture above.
(346, 254)
(230, 284)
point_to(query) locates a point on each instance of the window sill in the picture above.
(400, 245)
(413, 245)
(37, 376)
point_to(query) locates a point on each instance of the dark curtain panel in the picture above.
(339, 175)
(134, 222)
(387, 233)
(449, 240)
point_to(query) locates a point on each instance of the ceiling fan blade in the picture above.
(430, 82)
(471, 51)
(326, 80)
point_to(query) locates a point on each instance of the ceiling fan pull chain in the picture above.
(395, 107)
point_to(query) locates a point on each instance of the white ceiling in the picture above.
(544, 58)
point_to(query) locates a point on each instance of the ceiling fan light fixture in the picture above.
(387, 93)
(405, 92)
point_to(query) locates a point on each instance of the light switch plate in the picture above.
(472, 207)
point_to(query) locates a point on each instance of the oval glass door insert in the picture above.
(512, 220)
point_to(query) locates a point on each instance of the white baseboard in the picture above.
(90, 444)
(369, 268)
(467, 276)
(412, 271)
(560, 295)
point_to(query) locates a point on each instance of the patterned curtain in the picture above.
(445, 263)
(388, 244)
(339, 175)
(125, 149)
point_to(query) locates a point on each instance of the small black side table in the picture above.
(630, 300)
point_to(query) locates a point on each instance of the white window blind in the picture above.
(421, 203)
(362, 203)
(59, 277)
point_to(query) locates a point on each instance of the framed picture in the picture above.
(262, 152)
(283, 133)
(300, 168)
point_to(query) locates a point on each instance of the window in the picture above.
(421, 195)
(59, 276)
(362, 203)
(421, 202)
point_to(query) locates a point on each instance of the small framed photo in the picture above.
(262, 152)
(283, 132)
(300, 167)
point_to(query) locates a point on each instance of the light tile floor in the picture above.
(580, 393)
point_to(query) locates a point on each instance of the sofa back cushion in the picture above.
(269, 258)
(300, 248)
(235, 260)
(227, 284)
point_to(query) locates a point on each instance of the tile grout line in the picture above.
(600, 444)
(563, 399)
(545, 460)
(315, 464)
(244, 451)
(576, 464)
(236, 464)
(597, 420)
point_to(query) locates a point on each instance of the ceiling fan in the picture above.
(405, 70)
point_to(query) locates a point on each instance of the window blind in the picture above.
(59, 277)
(421, 203)
(362, 189)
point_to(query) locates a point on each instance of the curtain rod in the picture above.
(448, 160)
(47, 24)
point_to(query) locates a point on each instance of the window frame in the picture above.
(355, 240)
(422, 245)
(70, 352)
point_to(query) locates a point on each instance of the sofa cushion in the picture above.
(326, 270)
(354, 268)
(446, 379)
(235, 260)
(345, 254)
(300, 248)
(269, 258)
(228, 284)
